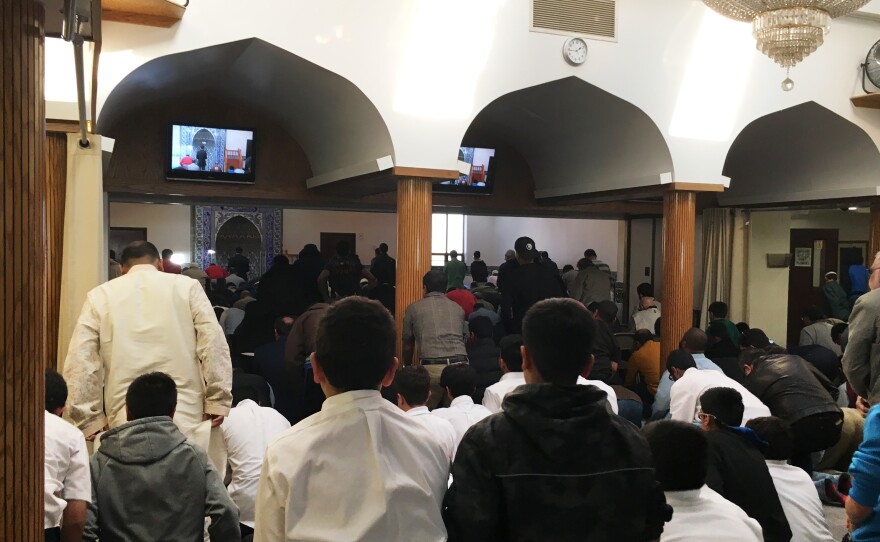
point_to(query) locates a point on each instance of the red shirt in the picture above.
(170, 267)
(214, 271)
(465, 299)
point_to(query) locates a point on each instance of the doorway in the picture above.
(330, 240)
(814, 254)
(241, 232)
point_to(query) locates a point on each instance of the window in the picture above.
(447, 233)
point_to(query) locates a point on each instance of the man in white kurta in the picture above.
(148, 321)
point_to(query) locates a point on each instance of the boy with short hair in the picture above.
(459, 381)
(413, 387)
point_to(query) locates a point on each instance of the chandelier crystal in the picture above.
(786, 30)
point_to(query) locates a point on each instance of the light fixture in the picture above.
(852, 208)
(212, 251)
(786, 30)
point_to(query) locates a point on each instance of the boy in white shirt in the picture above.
(413, 387)
(795, 488)
(68, 483)
(459, 381)
(699, 514)
(511, 366)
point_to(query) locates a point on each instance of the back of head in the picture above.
(695, 340)
(742, 327)
(309, 251)
(280, 261)
(509, 254)
(590, 254)
(642, 336)
(645, 289)
(383, 248)
(414, 384)
(681, 360)
(813, 314)
(566, 268)
(724, 404)
(511, 352)
(607, 311)
(355, 344)
(460, 378)
(434, 281)
(481, 327)
(283, 325)
(167, 253)
(754, 338)
(343, 248)
(680, 453)
(151, 394)
(453, 254)
(718, 309)
(238, 250)
(241, 393)
(139, 250)
(777, 434)
(56, 391)
(559, 335)
(477, 254)
(112, 254)
(582, 264)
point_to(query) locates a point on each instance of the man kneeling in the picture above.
(149, 482)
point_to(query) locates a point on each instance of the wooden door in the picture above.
(329, 241)
(814, 253)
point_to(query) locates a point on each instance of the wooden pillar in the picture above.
(413, 245)
(23, 274)
(679, 216)
(874, 244)
(56, 191)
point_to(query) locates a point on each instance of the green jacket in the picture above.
(455, 271)
(836, 298)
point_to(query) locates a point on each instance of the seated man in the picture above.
(736, 467)
(247, 432)
(511, 366)
(459, 381)
(644, 362)
(268, 362)
(718, 312)
(149, 482)
(359, 469)
(647, 311)
(795, 488)
(817, 330)
(67, 488)
(557, 465)
(690, 383)
(660, 408)
(483, 355)
(413, 387)
(605, 350)
(680, 453)
(863, 504)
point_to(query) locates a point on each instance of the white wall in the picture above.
(563, 238)
(852, 226)
(168, 225)
(303, 226)
(770, 232)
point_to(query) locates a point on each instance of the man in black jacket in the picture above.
(800, 394)
(555, 464)
(737, 470)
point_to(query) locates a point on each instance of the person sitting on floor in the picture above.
(413, 387)
(512, 377)
(459, 381)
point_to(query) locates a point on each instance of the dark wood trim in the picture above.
(160, 13)
(62, 126)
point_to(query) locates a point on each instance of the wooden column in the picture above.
(23, 274)
(56, 191)
(413, 244)
(679, 216)
(874, 244)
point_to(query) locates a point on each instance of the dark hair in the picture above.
(167, 253)
(583, 263)
(434, 281)
(742, 327)
(481, 327)
(476, 254)
(718, 329)
(151, 394)
(593, 307)
(460, 378)
(343, 247)
(283, 325)
(414, 384)
(681, 454)
(567, 267)
(680, 359)
(725, 404)
(695, 340)
(112, 254)
(813, 314)
(645, 289)
(511, 352)
(383, 248)
(589, 253)
(837, 331)
(776, 433)
(355, 344)
(309, 250)
(544, 254)
(642, 336)
(241, 393)
(754, 338)
(280, 260)
(56, 391)
(657, 326)
(238, 250)
(607, 311)
(138, 250)
(559, 334)
(718, 309)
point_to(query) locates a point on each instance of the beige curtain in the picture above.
(724, 261)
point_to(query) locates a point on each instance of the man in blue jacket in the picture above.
(863, 504)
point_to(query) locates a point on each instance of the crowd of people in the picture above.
(526, 406)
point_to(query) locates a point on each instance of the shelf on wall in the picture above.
(871, 101)
(161, 13)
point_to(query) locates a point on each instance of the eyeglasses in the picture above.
(704, 416)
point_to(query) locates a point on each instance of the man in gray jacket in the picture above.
(149, 482)
(861, 359)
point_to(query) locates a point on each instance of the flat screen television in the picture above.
(476, 168)
(202, 153)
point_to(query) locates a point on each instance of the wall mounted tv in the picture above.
(477, 172)
(201, 153)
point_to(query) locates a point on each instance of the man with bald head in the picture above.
(695, 341)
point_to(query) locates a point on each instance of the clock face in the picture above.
(575, 51)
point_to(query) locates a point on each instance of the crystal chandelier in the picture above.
(786, 30)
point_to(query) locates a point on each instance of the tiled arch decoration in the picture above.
(207, 220)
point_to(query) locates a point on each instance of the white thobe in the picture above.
(66, 469)
(684, 397)
(359, 469)
(141, 322)
(702, 515)
(462, 413)
(247, 431)
(495, 394)
(441, 429)
(800, 502)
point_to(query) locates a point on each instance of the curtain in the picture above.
(724, 263)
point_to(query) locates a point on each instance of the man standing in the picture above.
(239, 263)
(202, 157)
(455, 271)
(861, 359)
(383, 266)
(835, 297)
(147, 321)
(557, 465)
(342, 275)
(167, 265)
(479, 270)
(437, 325)
(506, 266)
(526, 284)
